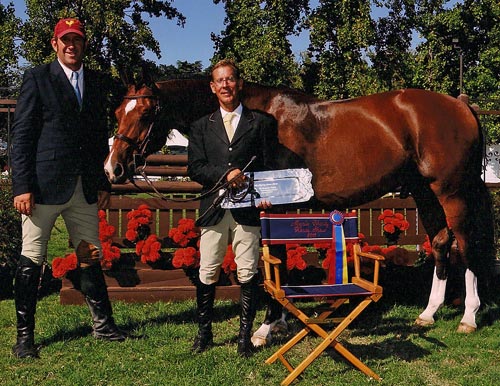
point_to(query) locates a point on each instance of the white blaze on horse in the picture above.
(428, 144)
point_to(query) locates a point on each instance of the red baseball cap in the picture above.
(65, 26)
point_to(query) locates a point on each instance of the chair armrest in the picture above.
(271, 259)
(271, 268)
(372, 256)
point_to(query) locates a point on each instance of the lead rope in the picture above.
(219, 185)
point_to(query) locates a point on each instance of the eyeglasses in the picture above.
(221, 81)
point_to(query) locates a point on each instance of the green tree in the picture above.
(468, 30)
(118, 33)
(392, 56)
(341, 33)
(436, 60)
(9, 51)
(256, 36)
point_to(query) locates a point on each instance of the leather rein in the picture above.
(140, 148)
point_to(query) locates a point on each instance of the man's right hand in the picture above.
(237, 181)
(25, 203)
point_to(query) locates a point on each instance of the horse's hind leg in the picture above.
(440, 248)
(434, 220)
(469, 215)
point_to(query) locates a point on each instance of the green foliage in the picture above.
(350, 53)
(340, 33)
(9, 52)
(392, 57)
(10, 226)
(117, 31)
(256, 37)
(495, 196)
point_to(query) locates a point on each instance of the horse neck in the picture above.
(270, 99)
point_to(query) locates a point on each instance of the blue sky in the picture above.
(192, 42)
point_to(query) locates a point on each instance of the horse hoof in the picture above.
(258, 341)
(464, 328)
(424, 322)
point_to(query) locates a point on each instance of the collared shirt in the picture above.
(68, 71)
(237, 115)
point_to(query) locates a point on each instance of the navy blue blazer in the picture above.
(54, 142)
(211, 156)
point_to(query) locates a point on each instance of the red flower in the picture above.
(389, 228)
(184, 233)
(294, 257)
(137, 217)
(149, 249)
(426, 246)
(62, 265)
(393, 222)
(186, 257)
(322, 245)
(229, 265)
(110, 253)
(131, 235)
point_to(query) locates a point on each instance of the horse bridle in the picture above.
(229, 194)
(140, 147)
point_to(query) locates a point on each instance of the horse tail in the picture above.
(482, 241)
(479, 159)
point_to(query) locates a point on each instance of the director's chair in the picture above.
(336, 228)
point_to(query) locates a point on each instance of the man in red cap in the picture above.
(59, 143)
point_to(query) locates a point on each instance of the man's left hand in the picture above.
(264, 205)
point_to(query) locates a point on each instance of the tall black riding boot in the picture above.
(248, 303)
(205, 296)
(25, 296)
(93, 287)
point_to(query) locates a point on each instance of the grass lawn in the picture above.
(383, 337)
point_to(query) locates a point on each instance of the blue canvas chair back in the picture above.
(334, 228)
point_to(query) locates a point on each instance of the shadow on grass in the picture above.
(403, 286)
(222, 312)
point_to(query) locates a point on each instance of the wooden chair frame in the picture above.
(358, 289)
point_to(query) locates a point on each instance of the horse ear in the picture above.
(148, 70)
(126, 76)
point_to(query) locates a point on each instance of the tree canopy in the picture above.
(415, 43)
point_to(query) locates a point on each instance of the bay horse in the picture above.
(423, 143)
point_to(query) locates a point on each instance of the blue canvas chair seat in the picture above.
(334, 228)
(308, 291)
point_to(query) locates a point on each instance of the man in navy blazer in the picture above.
(59, 143)
(218, 153)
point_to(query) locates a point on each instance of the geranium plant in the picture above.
(110, 253)
(187, 236)
(147, 245)
(393, 225)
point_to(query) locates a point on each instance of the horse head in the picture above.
(135, 138)
(143, 126)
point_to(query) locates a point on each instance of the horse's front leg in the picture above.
(441, 245)
(472, 303)
(274, 320)
(436, 300)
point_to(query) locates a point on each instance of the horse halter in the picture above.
(140, 147)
